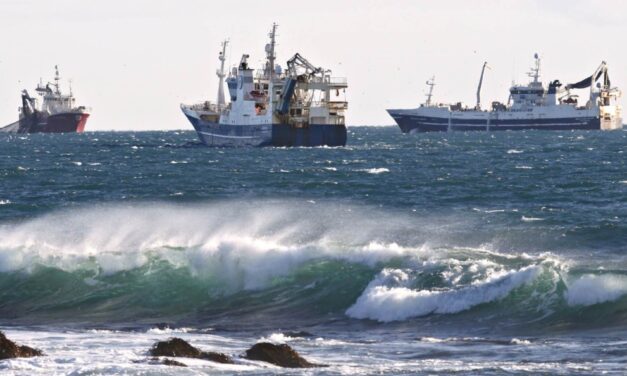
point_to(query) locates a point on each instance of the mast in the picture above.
(270, 53)
(270, 68)
(485, 65)
(220, 73)
(431, 84)
(56, 79)
(535, 71)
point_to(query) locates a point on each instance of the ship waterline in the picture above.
(281, 135)
(409, 122)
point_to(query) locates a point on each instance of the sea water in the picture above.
(465, 253)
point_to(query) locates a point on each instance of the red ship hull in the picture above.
(67, 122)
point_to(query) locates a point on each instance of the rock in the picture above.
(171, 362)
(8, 349)
(179, 347)
(281, 355)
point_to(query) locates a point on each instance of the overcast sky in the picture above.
(134, 61)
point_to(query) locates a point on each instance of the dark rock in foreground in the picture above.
(8, 349)
(281, 355)
(179, 347)
(171, 362)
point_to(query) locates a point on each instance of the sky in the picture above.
(134, 61)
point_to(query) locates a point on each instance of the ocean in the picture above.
(443, 253)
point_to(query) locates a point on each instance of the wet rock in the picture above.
(8, 349)
(181, 348)
(280, 355)
(172, 362)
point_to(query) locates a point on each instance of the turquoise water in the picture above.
(465, 252)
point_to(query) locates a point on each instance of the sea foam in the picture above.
(594, 289)
(382, 303)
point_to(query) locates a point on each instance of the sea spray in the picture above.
(593, 289)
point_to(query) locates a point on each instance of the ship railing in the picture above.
(203, 106)
(338, 81)
(331, 81)
(331, 105)
(337, 105)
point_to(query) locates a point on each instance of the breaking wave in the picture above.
(284, 258)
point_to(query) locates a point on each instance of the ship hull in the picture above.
(280, 135)
(411, 123)
(67, 122)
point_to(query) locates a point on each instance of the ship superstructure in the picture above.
(58, 112)
(302, 105)
(530, 106)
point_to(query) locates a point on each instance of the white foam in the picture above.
(382, 303)
(518, 341)
(531, 219)
(168, 330)
(594, 289)
(5, 202)
(375, 171)
(244, 245)
(277, 338)
(514, 151)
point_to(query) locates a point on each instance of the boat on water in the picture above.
(58, 112)
(531, 106)
(302, 105)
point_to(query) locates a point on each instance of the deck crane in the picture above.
(299, 61)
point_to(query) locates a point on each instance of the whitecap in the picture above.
(518, 341)
(594, 289)
(382, 303)
(514, 151)
(375, 171)
(531, 219)
(168, 330)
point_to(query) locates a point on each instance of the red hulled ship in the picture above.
(58, 112)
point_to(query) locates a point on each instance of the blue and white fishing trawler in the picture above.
(529, 106)
(301, 106)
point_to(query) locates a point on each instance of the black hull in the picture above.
(412, 124)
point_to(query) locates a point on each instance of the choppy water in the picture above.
(436, 253)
